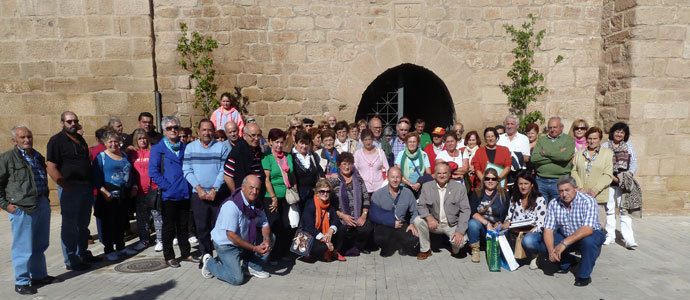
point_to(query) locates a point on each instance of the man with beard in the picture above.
(69, 166)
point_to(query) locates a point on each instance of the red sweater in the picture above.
(480, 159)
(429, 149)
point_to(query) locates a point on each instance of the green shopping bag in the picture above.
(493, 250)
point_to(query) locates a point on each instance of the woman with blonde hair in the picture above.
(578, 130)
(294, 125)
(489, 207)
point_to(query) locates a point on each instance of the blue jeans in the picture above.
(589, 247)
(75, 206)
(230, 267)
(30, 238)
(548, 187)
(475, 231)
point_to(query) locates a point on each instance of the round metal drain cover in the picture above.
(141, 265)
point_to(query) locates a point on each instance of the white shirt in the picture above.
(442, 212)
(444, 156)
(460, 144)
(520, 143)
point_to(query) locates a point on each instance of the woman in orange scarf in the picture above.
(319, 219)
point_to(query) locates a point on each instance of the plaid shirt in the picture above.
(40, 176)
(397, 145)
(583, 212)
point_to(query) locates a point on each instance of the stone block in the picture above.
(118, 48)
(653, 15)
(139, 26)
(93, 84)
(296, 53)
(246, 80)
(666, 110)
(99, 25)
(72, 27)
(317, 93)
(37, 49)
(312, 36)
(265, 81)
(678, 68)
(300, 23)
(45, 27)
(260, 52)
(333, 22)
(321, 52)
(59, 85)
(71, 7)
(407, 48)
(285, 37)
(96, 48)
(672, 32)
(285, 108)
(110, 68)
(272, 94)
(253, 23)
(493, 94)
(478, 30)
(9, 69)
(142, 84)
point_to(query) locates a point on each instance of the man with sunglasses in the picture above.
(69, 166)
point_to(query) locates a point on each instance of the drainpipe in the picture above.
(156, 93)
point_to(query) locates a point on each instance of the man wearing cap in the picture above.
(436, 146)
(308, 123)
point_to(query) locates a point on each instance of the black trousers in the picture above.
(280, 226)
(114, 218)
(319, 248)
(391, 239)
(175, 215)
(205, 214)
(354, 236)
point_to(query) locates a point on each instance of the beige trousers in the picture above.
(424, 238)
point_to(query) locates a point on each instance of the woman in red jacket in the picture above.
(491, 155)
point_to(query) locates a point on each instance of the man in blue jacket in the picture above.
(165, 169)
(392, 210)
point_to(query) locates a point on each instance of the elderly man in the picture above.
(517, 143)
(232, 132)
(443, 209)
(398, 141)
(572, 224)
(424, 137)
(24, 195)
(392, 210)
(552, 158)
(459, 131)
(165, 169)
(203, 168)
(69, 166)
(245, 158)
(331, 121)
(308, 123)
(235, 236)
(436, 146)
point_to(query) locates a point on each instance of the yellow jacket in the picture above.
(600, 176)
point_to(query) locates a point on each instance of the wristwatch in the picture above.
(564, 244)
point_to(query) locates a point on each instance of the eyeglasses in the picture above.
(294, 127)
(74, 121)
(580, 128)
(323, 192)
(490, 179)
(171, 128)
(254, 136)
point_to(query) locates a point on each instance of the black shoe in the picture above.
(583, 281)
(91, 259)
(24, 289)
(173, 263)
(192, 258)
(46, 280)
(562, 271)
(79, 267)
(364, 251)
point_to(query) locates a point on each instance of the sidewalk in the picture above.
(659, 268)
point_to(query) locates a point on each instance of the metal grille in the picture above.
(389, 108)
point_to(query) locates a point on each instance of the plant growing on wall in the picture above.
(195, 52)
(526, 81)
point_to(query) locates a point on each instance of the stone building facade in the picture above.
(624, 60)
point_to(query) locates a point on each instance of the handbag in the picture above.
(303, 241)
(154, 198)
(519, 251)
(291, 194)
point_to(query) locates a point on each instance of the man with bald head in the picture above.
(24, 195)
(245, 158)
(331, 121)
(232, 132)
(392, 211)
(235, 236)
(552, 158)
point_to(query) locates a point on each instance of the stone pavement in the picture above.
(659, 269)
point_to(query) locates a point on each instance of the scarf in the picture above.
(621, 157)
(356, 191)
(284, 167)
(409, 158)
(331, 166)
(252, 214)
(321, 209)
(580, 143)
(173, 147)
(590, 160)
(471, 151)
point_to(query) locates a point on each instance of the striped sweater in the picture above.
(204, 166)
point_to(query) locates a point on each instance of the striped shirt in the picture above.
(583, 212)
(40, 176)
(204, 166)
(397, 146)
(238, 165)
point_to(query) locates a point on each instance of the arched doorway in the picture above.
(423, 95)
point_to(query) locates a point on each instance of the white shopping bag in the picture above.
(507, 253)
(293, 215)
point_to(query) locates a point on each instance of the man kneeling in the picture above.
(392, 208)
(234, 236)
(443, 208)
(572, 223)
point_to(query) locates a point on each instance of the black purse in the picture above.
(154, 198)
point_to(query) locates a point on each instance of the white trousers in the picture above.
(615, 195)
(425, 240)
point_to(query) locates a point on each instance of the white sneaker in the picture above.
(140, 246)
(533, 263)
(258, 274)
(112, 256)
(175, 242)
(631, 245)
(159, 246)
(609, 240)
(193, 240)
(127, 252)
(204, 269)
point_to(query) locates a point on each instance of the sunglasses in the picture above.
(580, 128)
(75, 121)
(323, 192)
(490, 179)
(171, 128)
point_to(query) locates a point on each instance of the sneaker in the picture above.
(112, 256)
(204, 269)
(159, 246)
(141, 246)
(258, 274)
(533, 263)
(193, 240)
(128, 252)
(631, 245)
(609, 240)
(175, 242)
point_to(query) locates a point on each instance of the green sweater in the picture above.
(424, 140)
(557, 158)
(276, 178)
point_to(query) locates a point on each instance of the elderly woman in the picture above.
(280, 176)
(578, 130)
(371, 162)
(527, 211)
(111, 173)
(328, 154)
(354, 133)
(142, 185)
(532, 132)
(227, 112)
(624, 166)
(343, 143)
(307, 168)
(593, 170)
(488, 206)
(454, 155)
(353, 206)
(413, 162)
(491, 155)
(294, 125)
(321, 221)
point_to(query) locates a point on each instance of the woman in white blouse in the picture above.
(527, 212)
(455, 155)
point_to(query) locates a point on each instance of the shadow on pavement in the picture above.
(150, 292)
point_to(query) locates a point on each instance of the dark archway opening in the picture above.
(424, 96)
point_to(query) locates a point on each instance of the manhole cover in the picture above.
(141, 265)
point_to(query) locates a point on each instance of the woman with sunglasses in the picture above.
(489, 206)
(294, 125)
(578, 131)
(320, 220)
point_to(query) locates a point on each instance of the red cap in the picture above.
(438, 131)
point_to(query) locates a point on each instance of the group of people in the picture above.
(351, 187)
